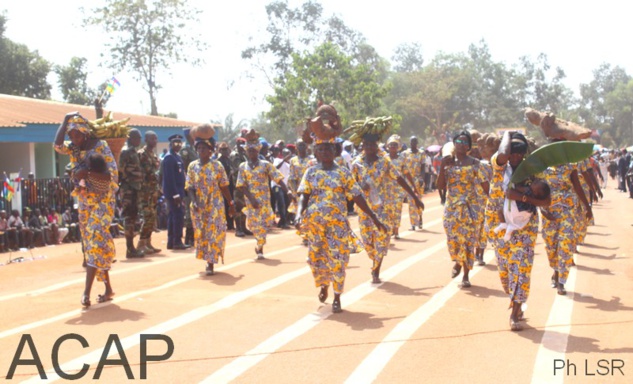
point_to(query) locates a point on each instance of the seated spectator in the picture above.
(54, 219)
(47, 230)
(37, 230)
(19, 232)
(73, 228)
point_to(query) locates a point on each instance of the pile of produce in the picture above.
(108, 128)
(555, 128)
(371, 125)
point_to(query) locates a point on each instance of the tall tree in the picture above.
(408, 58)
(294, 30)
(22, 72)
(355, 85)
(72, 82)
(147, 37)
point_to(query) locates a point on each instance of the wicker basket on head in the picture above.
(116, 145)
(327, 123)
(204, 131)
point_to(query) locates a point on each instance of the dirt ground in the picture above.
(261, 321)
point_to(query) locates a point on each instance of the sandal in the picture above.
(336, 307)
(561, 290)
(260, 253)
(375, 279)
(515, 326)
(456, 270)
(104, 298)
(465, 284)
(323, 294)
(209, 270)
(85, 301)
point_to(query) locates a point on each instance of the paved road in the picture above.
(260, 321)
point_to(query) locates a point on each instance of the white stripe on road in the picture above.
(119, 299)
(177, 322)
(376, 361)
(554, 342)
(240, 365)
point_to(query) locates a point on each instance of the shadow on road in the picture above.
(110, 313)
(360, 321)
(612, 305)
(402, 290)
(597, 271)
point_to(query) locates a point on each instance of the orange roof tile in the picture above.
(18, 111)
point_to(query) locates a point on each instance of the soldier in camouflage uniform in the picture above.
(237, 157)
(130, 182)
(149, 193)
(188, 154)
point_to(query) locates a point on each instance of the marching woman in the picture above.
(396, 198)
(375, 174)
(206, 184)
(95, 177)
(516, 255)
(459, 175)
(322, 215)
(560, 218)
(253, 180)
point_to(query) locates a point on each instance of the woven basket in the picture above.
(116, 145)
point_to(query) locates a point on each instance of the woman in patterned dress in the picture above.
(559, 220)
(584, 217)
(459, 175)
(95, 193)
(481, 236)
(373, 173)
(206, 183)
(298, 166)
(415, 158)
(515, 256)
(322, 215)
(253, 180)
(396, 198)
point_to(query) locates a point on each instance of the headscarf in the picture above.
(209, 142)
(254, 144)
(394, 139)
(331, 140)
(78, 123)
(518, 143)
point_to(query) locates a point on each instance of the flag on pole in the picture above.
(8, 189)
(18, 181)
(112, 85)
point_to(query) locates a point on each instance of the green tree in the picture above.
(229, 130)
(146, 37)
(408, 58)
(619, 105)
(355, 85)
(72, 82)
(22, 72)
(293, 30)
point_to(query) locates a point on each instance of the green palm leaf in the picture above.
(550, 155)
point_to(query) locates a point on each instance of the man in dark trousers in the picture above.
(623, 167)
(174, 174)
(188, 154)
(130, 182)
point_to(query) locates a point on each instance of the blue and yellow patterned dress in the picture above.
(559, 234)
(209, 220)
(379, 175)
(460, 213)
(515, 256)
(298, 167)
(396, 198)
(255, 179)
(96, 210)
(581, 212)
(325, 223)
(415, 162)
(481, 236)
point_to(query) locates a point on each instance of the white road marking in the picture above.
(240, 365)
(119, 299)
(176, 322)
(376, 361)
(557, 329)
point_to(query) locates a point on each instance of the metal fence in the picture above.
(47, 193)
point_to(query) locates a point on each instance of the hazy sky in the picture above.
(576, 36)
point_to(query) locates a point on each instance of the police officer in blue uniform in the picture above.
(174, 175)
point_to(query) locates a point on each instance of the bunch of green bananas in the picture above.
(371, 125)
(108, 128)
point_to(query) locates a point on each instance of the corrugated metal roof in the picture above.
(18, 111)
